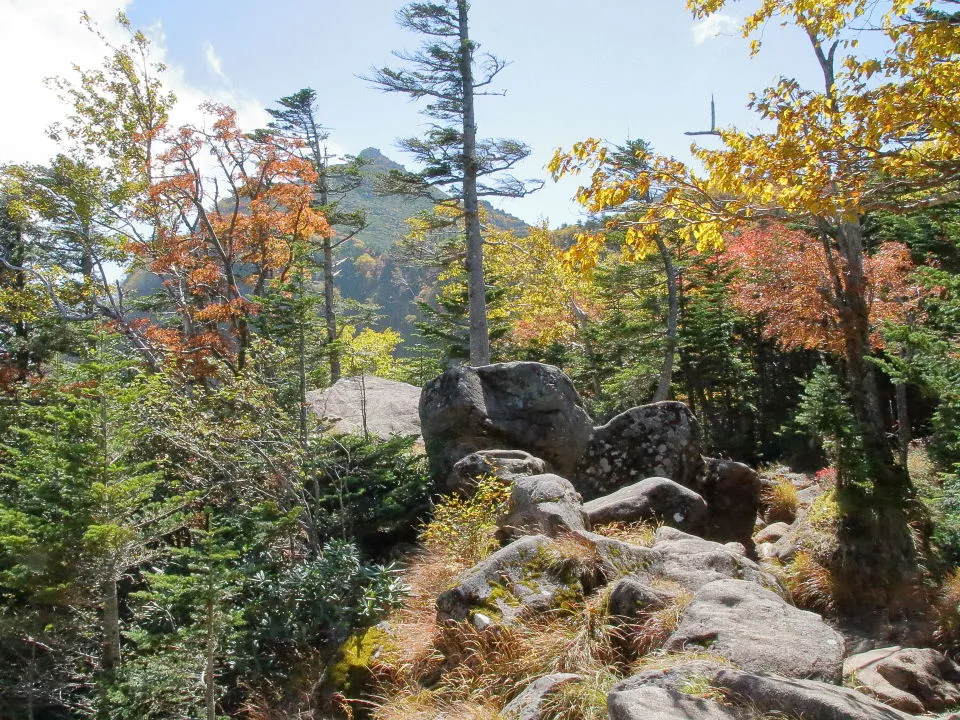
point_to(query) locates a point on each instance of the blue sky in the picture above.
(603, 68)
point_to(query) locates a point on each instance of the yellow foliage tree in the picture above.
(547, 300)
(368, 352)
(879, 135)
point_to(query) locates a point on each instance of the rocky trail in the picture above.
(735, 647)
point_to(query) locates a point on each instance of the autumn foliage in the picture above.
(221, 235)
(795, 281)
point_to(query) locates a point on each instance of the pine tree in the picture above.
(445, 71)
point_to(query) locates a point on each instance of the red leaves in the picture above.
(797, 282)
(250, 207)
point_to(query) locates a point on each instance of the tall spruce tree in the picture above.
(448, 72)
(297, 117)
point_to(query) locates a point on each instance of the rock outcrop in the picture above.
(658, 440)
(759, 632)
(693, 562)
(508, 406)
(657, 499)
(391, 408)
(732, 645)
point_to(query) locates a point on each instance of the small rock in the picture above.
(653, 498)
(480, 621)
(649, 703)
(504, 464)
(528, 704)
(630, 598)
(545, 504)
(808, 699)
(771, 533)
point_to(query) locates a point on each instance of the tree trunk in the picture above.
(583, 323)
(329, 311)
(110, 656)
(891, 483)
(903, 416)
(476, 288)
(210, 664)
(21, 330)
(302, 372)
(673, 312)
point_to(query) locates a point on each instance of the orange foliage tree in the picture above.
(221, 234)
(796, 282)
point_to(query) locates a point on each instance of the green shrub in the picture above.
(464, 527)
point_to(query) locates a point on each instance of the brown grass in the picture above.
(650, 631)
(636, 533)
(947, 610)
(781, 501)
(478, 672)
(811, 584)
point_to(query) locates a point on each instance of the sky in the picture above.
(613, 69)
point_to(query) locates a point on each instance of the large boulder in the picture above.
(508, 465)
(732, 491)
(545, 504)
(514, 406)
(513, 580)
(658, 440)
(650, 499)
(915, 680)
(808, 699)
(693, 562)
(759, 632)
(391, 408)
(647, 703)
(536, 573)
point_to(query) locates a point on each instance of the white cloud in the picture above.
(712, 26)
(214, 63)
(39, 40)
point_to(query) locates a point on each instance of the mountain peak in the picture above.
(377, 162)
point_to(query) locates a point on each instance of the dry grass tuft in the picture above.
(585, 700)
(812, 585)
(429, 705)
(947, 610)
(487, 668)
(666, 661)
(781, 501)
(635, 533)
(650, 631)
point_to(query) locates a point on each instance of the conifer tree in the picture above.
(447, 71)
(297, 117)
